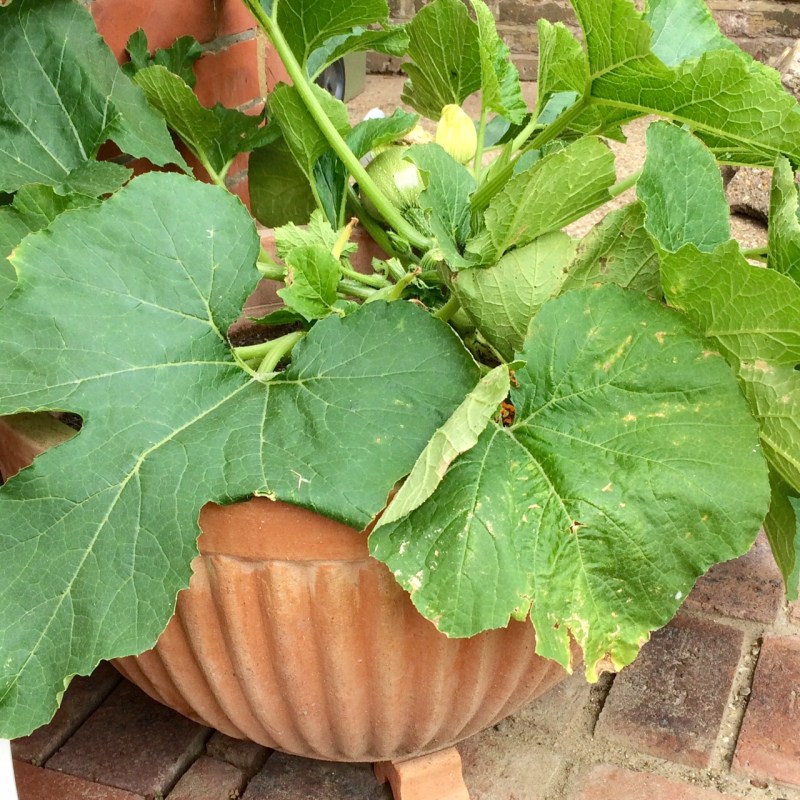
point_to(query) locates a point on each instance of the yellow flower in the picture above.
(456, 133)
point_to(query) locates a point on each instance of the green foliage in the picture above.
(612, 388)
(57, 111)
(647, 374)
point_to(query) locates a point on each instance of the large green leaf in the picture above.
(309, 24)
(736, 105)
(136, 345)
(458, 435)
(782, 527)
(391, 41)
(681, 188)
(34, 207)
(300, 130)
(631, 467)
(59, 104)
(562, 81)
(179, 58)
(617, 250)
(215, 135)
(753, 316)
(684, 29)
(504, 298)
(529, 207)
(448, 187)
(445, 64)
(784, 225)
(371, 133)
(280, 192)
(501, 90)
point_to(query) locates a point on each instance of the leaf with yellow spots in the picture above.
(632, 466)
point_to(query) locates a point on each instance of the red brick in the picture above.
(35, 783)
(606, 781)
(82, 697)
(248, 756)
(233, 76)
(669, 703)
(748, 588)
(233, 17)
(208, 778)
(292, 778)
(769, 743)
(163, 22)
(129, 722)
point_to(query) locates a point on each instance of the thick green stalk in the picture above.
(626, 183)
(477, 166)
(483, 196)
(351, 162)
(280, 349)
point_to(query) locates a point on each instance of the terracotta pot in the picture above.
(292, 636)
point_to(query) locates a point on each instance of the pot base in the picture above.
(433, 777)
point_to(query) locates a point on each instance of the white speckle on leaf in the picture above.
(607, 488)
(629, 418)
(678, 595)
(415, 582)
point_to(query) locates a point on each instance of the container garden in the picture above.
(292, 636)
(544, 441)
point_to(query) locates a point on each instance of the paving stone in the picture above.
(606, 781)
(36, 783)
(794, 612)
(82, 697)
(747, 588)
(292, 778)
(670, 702)
(133, 743)
(209, 779)
(769, 742)
(548, 716)
(248, 756)
(506, 765)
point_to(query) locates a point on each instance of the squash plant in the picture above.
(580, 428)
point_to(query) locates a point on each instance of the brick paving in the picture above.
(711, 709)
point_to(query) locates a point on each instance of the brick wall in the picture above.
(762, 27)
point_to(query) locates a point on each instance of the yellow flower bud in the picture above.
(456, 133)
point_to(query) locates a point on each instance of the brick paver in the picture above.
(82, 697)
(748, 588)
(769, 743)
(290, 778)
(794, 612)
(209, 779)
(671, 700)
(133, 743)
(36, 783)
(607, 782)
(248, 756)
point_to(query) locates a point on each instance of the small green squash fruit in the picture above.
(398, 179)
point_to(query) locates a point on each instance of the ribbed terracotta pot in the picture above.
(292, 636)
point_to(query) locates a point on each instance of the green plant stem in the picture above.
(370, 225)
(374, 280)
(351, 162)
(280, 349)
(477, 166)
(626, 183)
(270, 270)
(757, 253)
(448, 309)
(349, 288)
(483, 196)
